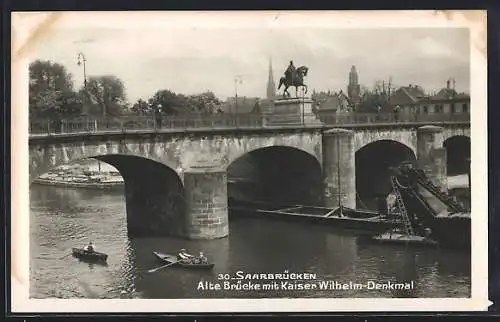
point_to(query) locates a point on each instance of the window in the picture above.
(465, 108)
(452, 108)
(426, 109)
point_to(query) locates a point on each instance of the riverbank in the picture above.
(88, 174)
(84, 185)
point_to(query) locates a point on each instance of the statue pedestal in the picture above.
(293, 111)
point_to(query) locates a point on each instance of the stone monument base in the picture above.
(293, 111)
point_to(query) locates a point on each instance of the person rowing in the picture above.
(203, 259)
(184, 256)
(89, 248)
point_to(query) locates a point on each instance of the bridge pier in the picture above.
(431, 155)
(154, 201)
(206, 202)
(339, 168)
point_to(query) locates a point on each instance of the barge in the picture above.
(367, 221)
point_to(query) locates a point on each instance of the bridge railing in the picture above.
(230, 121)
(377, 118)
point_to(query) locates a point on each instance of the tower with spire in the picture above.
(271, 86)
(353, 88)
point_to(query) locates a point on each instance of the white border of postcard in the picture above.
(30, 28)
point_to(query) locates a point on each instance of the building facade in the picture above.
(412, 99)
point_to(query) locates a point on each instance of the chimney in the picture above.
(448, 84)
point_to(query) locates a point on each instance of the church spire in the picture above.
(271, 87)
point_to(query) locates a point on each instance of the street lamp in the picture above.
(82, 60)
(237, 80)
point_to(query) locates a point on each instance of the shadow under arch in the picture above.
(276, 174)
(373, 163)
(458, 150)
(154, 196)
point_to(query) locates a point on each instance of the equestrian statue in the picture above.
(293, 77)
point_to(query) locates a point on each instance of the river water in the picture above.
(63, 218)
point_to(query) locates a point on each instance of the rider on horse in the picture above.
(293, 77)
(290, 72)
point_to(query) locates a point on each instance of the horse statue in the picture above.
(298, 81)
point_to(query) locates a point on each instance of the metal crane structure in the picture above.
(428, 211)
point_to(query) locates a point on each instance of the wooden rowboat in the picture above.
(399, 238)
(94, 256)
(168, 259)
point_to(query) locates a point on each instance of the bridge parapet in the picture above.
(233, 121)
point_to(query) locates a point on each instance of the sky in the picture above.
(189, 57)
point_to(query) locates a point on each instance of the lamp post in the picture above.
(237, 80)
(82, 60)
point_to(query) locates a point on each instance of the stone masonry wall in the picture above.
(206, 203)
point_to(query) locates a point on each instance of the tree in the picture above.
(204, 103)
(171, 103)
(141, 107)
(55, 104)
(107, 93)
(168, 102)
(51, 91)
(46, 75)
(379, 95)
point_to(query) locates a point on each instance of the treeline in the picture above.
(170, 103)
(52, 95)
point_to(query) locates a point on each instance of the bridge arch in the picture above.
(458, 150)
(307, 142)
(276, 174)
(44, 157)
(154, 195)
(451, 131)
(405, 136)
(373, 162)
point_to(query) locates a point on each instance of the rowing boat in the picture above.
(93, 256)
(405, 239)
(172, 259)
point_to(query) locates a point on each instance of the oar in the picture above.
(65, 256)
(155, 269)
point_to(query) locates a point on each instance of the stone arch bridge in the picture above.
(176, 182)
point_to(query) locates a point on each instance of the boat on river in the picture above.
(172, 259)
(85, 255)
(339, 217)
(404, 239)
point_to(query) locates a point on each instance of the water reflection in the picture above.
(63, 218)
(427, 267)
